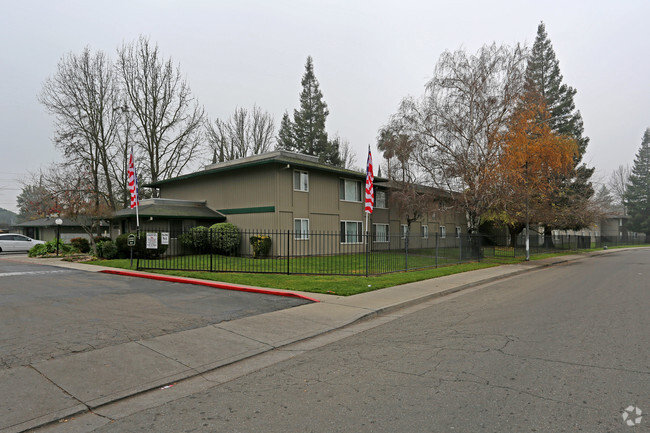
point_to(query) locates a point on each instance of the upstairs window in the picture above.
(443, 232)
(380, 199)
(300, 181)
(425, 232)
(350, 190)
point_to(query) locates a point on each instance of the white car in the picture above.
(15, 242)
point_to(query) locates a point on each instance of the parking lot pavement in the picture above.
(47, 312)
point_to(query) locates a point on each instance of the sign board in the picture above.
(130, 241)
(164, 238)
(152, 241)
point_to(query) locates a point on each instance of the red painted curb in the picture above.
(224, 286)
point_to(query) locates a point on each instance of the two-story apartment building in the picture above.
(286, 191)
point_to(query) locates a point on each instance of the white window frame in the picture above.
(342, 184)
(443, 232)
(344, 232)
(385, 237)
(404, 229)
(425, 231)
(302, 234)
(379, 205)
(303, 181)
(458, 232)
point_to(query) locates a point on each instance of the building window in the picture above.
(404, 229)
(301, 229)
(380, 232)
(300, 181)
(350, 190)
(443, 232)
(457, 232)
(425, 232)
(351, 232)
(380, 199)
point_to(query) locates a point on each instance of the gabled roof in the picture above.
(167, 208)
(282, 157)
(67, 222)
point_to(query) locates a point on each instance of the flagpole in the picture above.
(137, 202)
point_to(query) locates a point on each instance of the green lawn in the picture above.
(378, 262)
(333, 284)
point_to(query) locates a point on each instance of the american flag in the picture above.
(370, 189)
(133, 182)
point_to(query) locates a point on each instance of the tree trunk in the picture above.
(548, 238)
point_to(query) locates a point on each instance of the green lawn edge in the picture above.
(334, 284)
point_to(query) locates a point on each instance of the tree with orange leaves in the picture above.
(531, 160)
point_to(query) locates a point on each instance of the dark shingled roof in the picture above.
(166, 208)
(67, 222)
(277, 157)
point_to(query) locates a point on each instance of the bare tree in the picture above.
(166, 118)
(617, 185)
(347, 156)
(81, 96)
(243, 134)
(454, 128)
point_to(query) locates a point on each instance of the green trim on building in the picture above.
(243, 210)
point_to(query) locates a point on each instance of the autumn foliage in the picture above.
(532, 161)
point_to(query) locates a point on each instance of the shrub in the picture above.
(224, 238)
(81, 244)
(261, 245)
(38, 250)
(106, 250)
(197, 239)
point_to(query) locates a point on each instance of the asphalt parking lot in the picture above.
(47, 312)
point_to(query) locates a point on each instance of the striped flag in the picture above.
(370, 189)
(133, 182)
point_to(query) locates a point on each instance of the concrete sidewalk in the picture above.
(87, 382)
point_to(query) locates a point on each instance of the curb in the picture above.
(225, 286)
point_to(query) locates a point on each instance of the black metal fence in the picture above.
(334, 253)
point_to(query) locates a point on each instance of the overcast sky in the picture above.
(368, 55)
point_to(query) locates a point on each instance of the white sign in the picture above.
(164, 238)
(152, 240)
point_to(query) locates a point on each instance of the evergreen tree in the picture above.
(285, 138)
(306, 134)
(543, 76)
(637, 196)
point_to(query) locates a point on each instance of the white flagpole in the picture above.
(137, 200)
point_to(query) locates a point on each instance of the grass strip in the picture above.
(333, 284)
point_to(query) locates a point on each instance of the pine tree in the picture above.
(306, 134)
(543, 76)
(637, 196)
(285, 138)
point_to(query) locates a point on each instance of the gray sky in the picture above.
(367, 56)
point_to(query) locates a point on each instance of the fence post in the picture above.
(460, 248)
(436, 250)
(367, 252)
(288, 246)
(210, 249)
(406, 249)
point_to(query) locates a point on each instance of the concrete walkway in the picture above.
(90, 383)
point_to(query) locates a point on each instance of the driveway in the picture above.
(47, 312)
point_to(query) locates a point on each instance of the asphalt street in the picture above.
(47, 312)
(562, 349)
